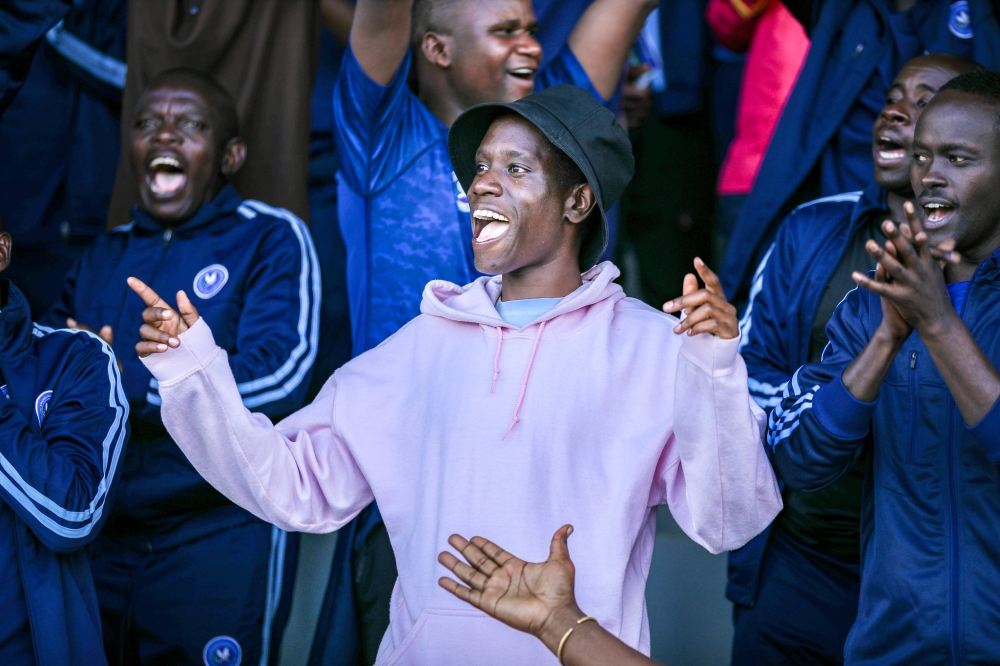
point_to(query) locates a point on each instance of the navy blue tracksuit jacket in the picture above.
(848, 42)
(251, 271)
(776, 328)
(930, 549)
(63, 430)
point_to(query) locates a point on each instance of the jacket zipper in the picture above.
(914, 407)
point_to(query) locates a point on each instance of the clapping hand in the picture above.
(162, 324)
(707, 309)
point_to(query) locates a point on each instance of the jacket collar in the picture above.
(873, 201)
(225, 203)
(15, 321)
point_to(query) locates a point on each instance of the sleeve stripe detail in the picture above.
(755, 289)
(112, 447)
(308, 322)
(783, 422)
(854, 197)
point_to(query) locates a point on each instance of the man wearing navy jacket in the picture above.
(909, 380)
(821, 144)
(795, 586)
(63, 429)
(182, 574)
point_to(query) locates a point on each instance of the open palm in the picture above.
(523, 595)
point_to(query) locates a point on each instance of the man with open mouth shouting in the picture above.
(910, 377)
(182, 574)
(814, 543)
(539, 385)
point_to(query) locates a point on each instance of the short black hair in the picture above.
(430, 16)
(221, 103)
(983, 83)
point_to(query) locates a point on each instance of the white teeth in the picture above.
(934, 205)
(891, 154)
(483, 214)
(165, 160)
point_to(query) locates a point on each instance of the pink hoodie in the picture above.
(606, 413)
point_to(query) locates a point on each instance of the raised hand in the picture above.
(909, 278)
(162, 324)
(536, 598)
(707, 309)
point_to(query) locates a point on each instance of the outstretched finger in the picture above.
(690, 302)
(475, 556)
(493, 551)
(474, 579)
(880, 288)
(146, 293)
(708, 276)
(465, 594)
(903, 244)
(913, 218)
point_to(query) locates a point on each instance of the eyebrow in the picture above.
(508, 153)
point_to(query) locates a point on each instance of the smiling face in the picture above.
(494, 54)
(522, 214)
(179, 158)
(892, 136)
(956, 169)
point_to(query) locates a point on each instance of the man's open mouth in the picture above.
(165, 176)
(523, 73)
(937, 214)
(890, 151)
(489, 225)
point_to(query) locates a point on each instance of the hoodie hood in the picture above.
(475, 303)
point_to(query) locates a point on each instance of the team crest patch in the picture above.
(41, 405)
(210, 280)
(461, 199)
(222, 650)
(959, 20)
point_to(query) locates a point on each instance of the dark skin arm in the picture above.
(914, 286)
(380, 36)
(536, 598)
(603, 36)
(337, 18)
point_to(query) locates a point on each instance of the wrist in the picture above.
(885, 337)
(560, 621)
(940, 328)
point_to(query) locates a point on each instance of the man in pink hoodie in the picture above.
(541, 386)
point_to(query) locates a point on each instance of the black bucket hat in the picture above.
(576, 124)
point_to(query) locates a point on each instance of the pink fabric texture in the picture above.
(776, 52)
(615, 415)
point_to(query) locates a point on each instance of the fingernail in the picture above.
(677, 329)
(569, 531)
(161, 347)
(168, 314)
(668, 306)
(174, 342)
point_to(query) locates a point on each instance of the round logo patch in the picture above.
(222, 650)
(42, 405)
(959, 21)
(210, 280)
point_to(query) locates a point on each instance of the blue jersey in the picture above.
(403, 215)
(63, 430)
(251, 271)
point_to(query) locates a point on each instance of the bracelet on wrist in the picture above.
(562, 642)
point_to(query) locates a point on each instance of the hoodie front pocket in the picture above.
(914, 409)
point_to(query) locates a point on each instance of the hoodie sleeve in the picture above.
(58, 476)
(714, 475)
(299, 474)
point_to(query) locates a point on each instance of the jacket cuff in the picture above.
(839, 413)
(987, 432)
(715, 356)
(197, 348)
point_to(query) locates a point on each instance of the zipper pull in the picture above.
(167, 235)
(913, 361)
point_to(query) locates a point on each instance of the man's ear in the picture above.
(437, 49)
(233, 156)
(580, 203)
(5, 246)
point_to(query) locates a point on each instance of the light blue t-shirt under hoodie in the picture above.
(522, 312)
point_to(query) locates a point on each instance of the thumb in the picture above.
(559, 549)
(187, 309)
(107, 334)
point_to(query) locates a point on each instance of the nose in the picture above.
(486, 184)
(528, 46)
(932, 178)
(166, 133)
(895, 115)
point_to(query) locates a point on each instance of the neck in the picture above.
(439, 98)
(554, 279)
(894, 202)
(967, 265)
(904, 5)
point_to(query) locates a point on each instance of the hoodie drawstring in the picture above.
(496, 359)
(524, 384)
